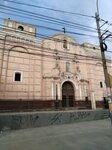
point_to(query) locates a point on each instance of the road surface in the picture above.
(91, 135)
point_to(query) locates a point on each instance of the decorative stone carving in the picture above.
(67, 75)
(55, 73)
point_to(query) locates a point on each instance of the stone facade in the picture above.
(56, 68)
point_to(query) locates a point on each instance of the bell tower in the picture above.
(19, 27)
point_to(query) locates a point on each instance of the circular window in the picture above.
(20, 28)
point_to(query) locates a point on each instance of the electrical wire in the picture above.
(69, 32)
(35, 18)
(51, 9)
(47, 28)
(54, 58)
(64, 22)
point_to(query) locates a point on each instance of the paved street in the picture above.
(92, 135)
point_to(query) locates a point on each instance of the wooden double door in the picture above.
(67, 94)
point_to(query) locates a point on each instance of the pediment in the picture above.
(60, 36)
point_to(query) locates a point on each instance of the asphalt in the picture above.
(89, 135)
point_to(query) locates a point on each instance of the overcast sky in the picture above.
(86, 7)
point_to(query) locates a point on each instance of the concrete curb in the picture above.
(13, 121)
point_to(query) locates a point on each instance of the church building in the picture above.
(54, 71)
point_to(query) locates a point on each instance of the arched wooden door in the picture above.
(67, 94)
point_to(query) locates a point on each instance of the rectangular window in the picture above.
(101, 85)
(17, 76)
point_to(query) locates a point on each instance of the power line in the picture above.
(50, 38)
(57, 20)
(58, 40)
(71, 26)
(75, 27)
(107, 22)
(53, 29)
(56, 10)
(76, 33)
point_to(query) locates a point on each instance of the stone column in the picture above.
(59, 91)
(93, 102)
(80, 91)
(53, 90)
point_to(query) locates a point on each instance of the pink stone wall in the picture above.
(43, 69)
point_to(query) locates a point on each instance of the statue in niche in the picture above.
(78, 69)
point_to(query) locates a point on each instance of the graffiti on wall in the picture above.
(79, 115)
(28, 120)
(19, 121)
(56, 119)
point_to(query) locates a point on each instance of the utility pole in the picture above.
(102, 48)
